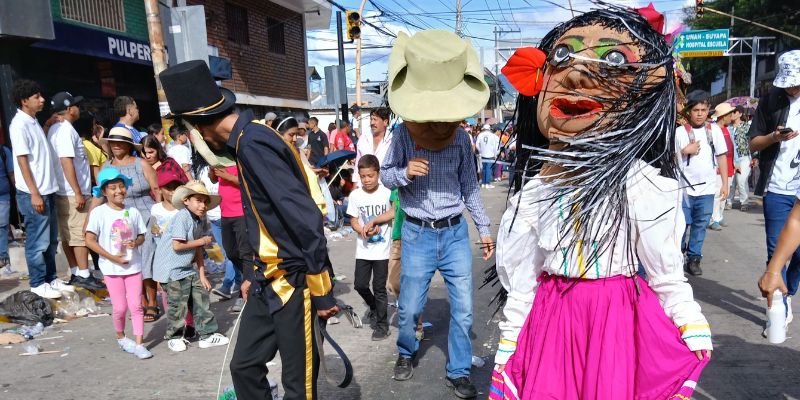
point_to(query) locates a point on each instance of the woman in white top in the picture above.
(580, 323)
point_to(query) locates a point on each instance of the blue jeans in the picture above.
(697, 212)
(486, 172)
(5, 214)
(424, 250)
(41, 238)
(232, 275)
(776, 212)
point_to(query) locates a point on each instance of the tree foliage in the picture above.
(779, 14)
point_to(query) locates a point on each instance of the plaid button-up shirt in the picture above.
(451, 183)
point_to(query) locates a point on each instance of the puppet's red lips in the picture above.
(563, 108)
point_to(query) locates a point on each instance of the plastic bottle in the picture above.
(128, 250)
(776, 319)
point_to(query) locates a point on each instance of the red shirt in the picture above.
(728, 142)
(231, 204)
(341, 141)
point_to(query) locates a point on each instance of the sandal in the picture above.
(151, 316)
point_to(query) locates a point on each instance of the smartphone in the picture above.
(784, 131)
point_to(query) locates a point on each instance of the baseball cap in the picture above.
(63, 100)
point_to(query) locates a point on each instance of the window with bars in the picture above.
(108, 14)
(275, 40)
(236, 18)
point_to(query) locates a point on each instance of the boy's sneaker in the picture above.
(223, 292)
(141, 352)
(178, 344)
(371, 318)
(715, 226)
(462, 387)
(60, 285)
(403, 369)
(46, 291)
(126, 344)
(237, 306)
(214, 340)
(87, 283)
(380, 334)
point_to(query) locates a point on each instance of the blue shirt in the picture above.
(137, 137)
(451, 183)
(170, 265)
(8, 169)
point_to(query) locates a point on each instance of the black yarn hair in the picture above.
(637, 125)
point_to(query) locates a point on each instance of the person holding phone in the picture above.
(773, 133)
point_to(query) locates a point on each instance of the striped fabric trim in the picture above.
(695, 336)
(504, 341)
(506, 351)
(687, 327)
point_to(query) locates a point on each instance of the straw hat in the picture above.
(435, 76)
(723, 109)
(119, 134)
(192, 188)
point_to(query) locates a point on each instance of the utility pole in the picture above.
(730, 61)
(158, 55)
(753, 66)
(340, 41)
(497, 32)
(358, 60)
(458, 18)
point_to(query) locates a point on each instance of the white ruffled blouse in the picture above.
(532, 245)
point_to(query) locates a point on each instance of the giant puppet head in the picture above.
(596, 97)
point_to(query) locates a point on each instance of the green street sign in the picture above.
(706, 43)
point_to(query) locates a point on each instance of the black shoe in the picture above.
(380, 334)
(403, 370)
(86, 283)
(693, 266)
(371, 318)
(189, 334)
(462, 387)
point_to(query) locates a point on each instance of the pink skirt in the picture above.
(599, 340)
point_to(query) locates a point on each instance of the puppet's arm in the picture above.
(659, 249)
(519, 263)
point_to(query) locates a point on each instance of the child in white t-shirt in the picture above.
(115, 232)
(371, 211)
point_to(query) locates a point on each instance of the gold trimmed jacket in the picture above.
(284, 225)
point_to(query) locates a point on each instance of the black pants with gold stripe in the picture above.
(262, 334)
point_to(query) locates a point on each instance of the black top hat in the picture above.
(191, 90)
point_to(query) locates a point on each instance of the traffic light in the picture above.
(698, 5)
(353, 25)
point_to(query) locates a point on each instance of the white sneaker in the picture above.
(126, 344)
(214, 340)
(178, 344)
(60, 285)
(46, 291)
(141, 352)
(490, 186)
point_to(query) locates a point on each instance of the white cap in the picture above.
(487, 127)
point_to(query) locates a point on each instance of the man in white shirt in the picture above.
(179, 151)
(488, 145)
(378, 142)
(35, 180)
(701, 151)
(74, 185)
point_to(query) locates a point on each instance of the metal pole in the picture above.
(158, 55)
(458, 17)
(340, 42)
(754, 48)
(730, 62)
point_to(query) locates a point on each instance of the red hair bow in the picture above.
(524, 70)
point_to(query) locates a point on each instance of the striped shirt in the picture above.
(451, 183)
(170, 265)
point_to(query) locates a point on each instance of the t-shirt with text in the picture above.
(366, 206)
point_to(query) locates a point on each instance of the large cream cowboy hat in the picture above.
(192, 188)
(723, 109)
(435, 76)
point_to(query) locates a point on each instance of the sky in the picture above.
(532, 18)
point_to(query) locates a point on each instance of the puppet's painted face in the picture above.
(584, 78)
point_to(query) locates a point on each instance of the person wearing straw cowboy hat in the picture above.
(291, 280)
(773, 134)
(435, 82)
(723, 114)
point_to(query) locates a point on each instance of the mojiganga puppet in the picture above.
(600, 200)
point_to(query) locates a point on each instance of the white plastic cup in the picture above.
(776, 319)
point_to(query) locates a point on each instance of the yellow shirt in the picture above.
(95, 155)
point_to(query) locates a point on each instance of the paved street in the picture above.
(744, 365)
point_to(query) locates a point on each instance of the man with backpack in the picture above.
(701, 150)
